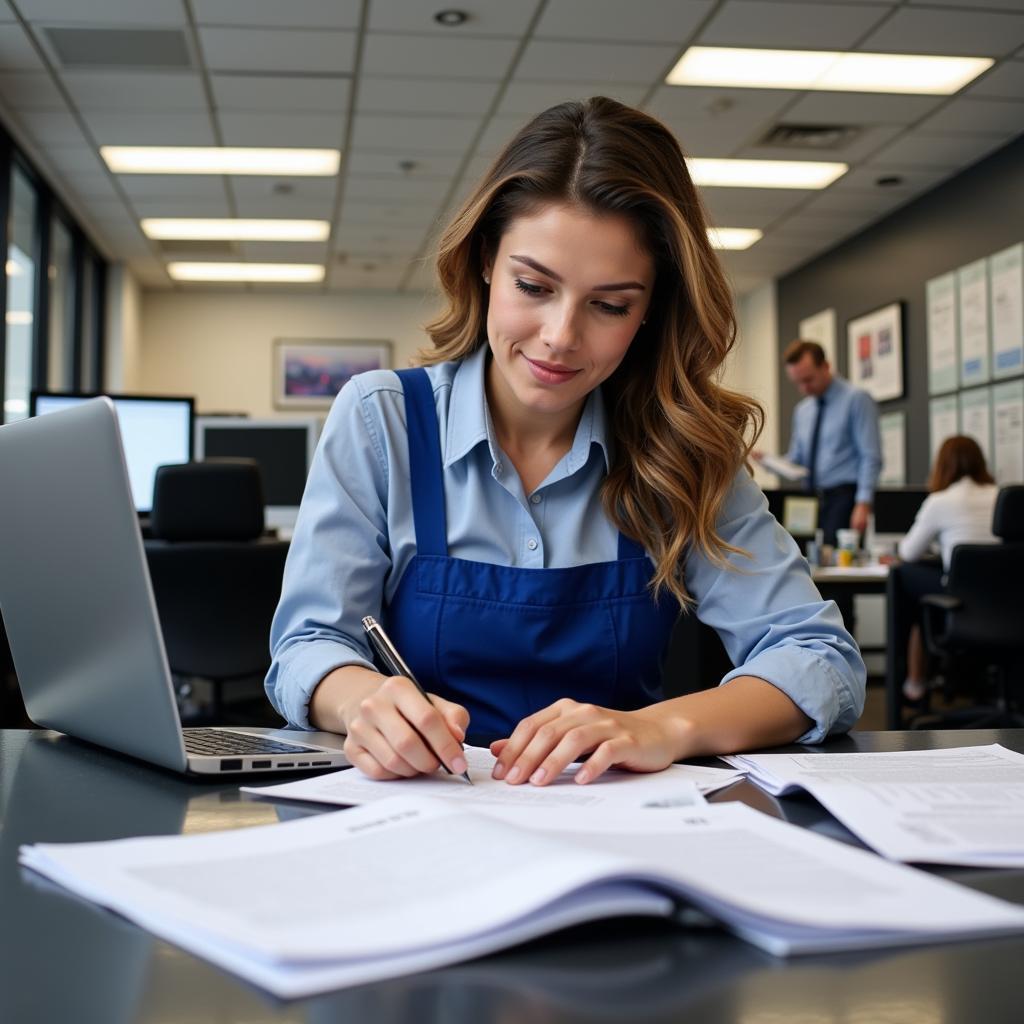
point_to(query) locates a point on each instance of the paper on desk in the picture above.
(962, 805)
(679, 784)
(783, 467)
(402, 886)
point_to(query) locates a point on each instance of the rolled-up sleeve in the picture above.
(337, 562)
(772, 620)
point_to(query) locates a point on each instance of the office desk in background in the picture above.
(62, 959)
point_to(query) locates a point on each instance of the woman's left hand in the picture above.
(545, 743)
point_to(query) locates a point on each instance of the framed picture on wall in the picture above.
(309, 372)
(874, 352)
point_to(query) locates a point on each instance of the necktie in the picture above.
(812, 469)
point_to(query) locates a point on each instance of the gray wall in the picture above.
(972, 215)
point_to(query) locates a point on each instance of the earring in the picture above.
(487, 280)
(642, 322)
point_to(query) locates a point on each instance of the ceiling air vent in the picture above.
(196, 247)
(809, 136)
(120, 47)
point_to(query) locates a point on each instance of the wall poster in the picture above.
(972, 306)
(976, 419)
(940, 294)
(943, 422)
(893, 429)
(821, 327)
(1008, 432)
(875, 352)
(1006, 298)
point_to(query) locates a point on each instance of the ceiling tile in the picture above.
(72, 160)
(256, 50)
(864, 204)
(428, 56)
(313, 94)
(240, 128)
(750, 207)
(169, 206)
(176, 186)
(126, 90)
(119, 13)
(170, 128)
(300, 189)
(300, 207)
(273, 13)
(528, 98)
(283, 252)
(360, 161)
(424, 96)
(938, 151)
(363, 211)
(94, 186)
(964, 33)
(411, 189)
(16, 52)
(357, 280)
(52, 128)
(498, 134)
(1006, 80)
(638, 21)
(581, 62)
(30, 90)
(860, 108)
(486, 18)
(383, 238)
(977, 116)
(915, 179)
(863, 145)
(766, 23)
(399, 134)
(1010, 5)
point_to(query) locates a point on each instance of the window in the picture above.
(21, 293)
(60, 364)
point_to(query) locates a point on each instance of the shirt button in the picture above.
(498, 467)
(531, 544)
(535, 499)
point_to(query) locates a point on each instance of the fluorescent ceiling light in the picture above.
(764, 173)
(19, 316)
(220, 160)
(285, 272)
(826, 70)
(733, 238)
(237, 230)
(13, 270)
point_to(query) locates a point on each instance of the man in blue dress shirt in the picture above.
(835, 435)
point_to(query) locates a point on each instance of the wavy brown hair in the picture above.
(679, 436)
(959, 456)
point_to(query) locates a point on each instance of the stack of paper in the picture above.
(679, 785)
(963, 805)
(409, 883)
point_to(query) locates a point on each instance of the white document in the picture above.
(972, 302)
(1006, 296)
(411, 883)
(940, 293)
(1008, 432)
(963, 805)
(976, 419)
(943, 422)
(783, 467)
(893, 429)
(821, 327)
(678, 785)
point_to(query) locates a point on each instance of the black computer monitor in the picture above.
(283, 448)
(896, 507)
(156, 430)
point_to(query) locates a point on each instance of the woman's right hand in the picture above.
(392, 732)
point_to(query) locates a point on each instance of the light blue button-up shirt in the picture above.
(355, 536)
(849, 445)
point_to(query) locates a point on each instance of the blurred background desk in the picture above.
(62, 959)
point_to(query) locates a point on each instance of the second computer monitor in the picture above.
(283, 448)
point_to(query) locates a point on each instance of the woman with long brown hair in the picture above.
(529, 510)
(958, 510)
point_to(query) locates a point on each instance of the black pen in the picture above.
(395, 664)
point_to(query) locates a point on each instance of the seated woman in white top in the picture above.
(958, 511)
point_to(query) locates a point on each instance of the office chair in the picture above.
(216, 579)
(980, 616)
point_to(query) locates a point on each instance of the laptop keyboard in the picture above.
(219, 743)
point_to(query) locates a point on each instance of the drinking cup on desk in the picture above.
(844, 558)
(848, 539)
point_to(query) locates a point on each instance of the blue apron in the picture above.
(505, 642)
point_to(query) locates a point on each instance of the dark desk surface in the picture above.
(63, 960)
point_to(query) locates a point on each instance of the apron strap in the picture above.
(425, 466)
(628, 548)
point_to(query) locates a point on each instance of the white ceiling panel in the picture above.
(300, 207)
(363, 211)
(1009, 5)
(486, 17)
(52, 128)
(939, 151)
(688, 102)
(639, 21)
(525, 99)
(169, 206)
(977, 116)
(733, 207)
(713, 137)
(94, 186)
(860, 147)
(71, 160)
(498, 134)
(273, 13)
(429, 134)
(764, 23)
(313, 94)
(128, 90)
(429, 56)
(853, 108)
(16, 52)
(171, 128)
(178, 186)
(283, 252)
(304, 189)
(243, 128)
(424, 96)
(258, 50)
(377, 238)
(355, 279)
(865, 204)
(108, 13)
(397, 190)
(961, 33)
(433, 165)
(1005, 80)
(915, 180)
(581, 62)
(30, 90)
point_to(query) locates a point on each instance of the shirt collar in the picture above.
(469, 419)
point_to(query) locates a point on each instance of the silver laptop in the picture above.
(79, 609)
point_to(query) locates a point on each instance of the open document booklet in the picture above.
(962, 805)
(412, 883)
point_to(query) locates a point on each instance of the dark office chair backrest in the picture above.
(216, 579)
